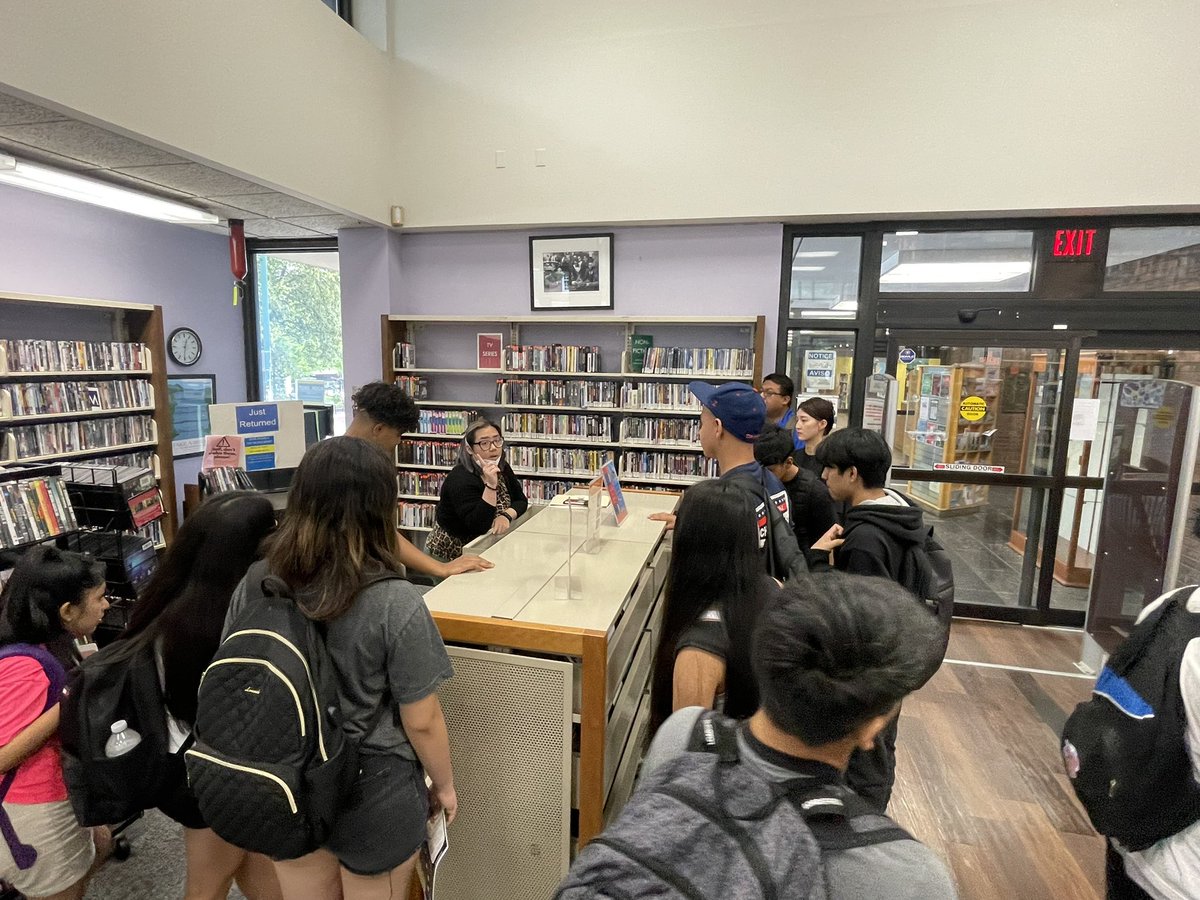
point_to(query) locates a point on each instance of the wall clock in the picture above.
(184, 346)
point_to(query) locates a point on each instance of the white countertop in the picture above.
(522, 585)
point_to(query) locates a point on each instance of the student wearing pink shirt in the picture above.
(52, 598)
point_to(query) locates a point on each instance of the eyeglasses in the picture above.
(767, 392)
(490, 443)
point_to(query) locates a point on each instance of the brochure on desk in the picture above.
(608, 472)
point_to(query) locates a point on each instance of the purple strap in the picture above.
(23, 854)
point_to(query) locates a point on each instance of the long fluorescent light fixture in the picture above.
(955, 272)
(75, 187)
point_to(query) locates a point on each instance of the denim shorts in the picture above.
(383, 823)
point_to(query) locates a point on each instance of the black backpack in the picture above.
(1125, 749)
(119, 682)
(271, 763)
(703, 826)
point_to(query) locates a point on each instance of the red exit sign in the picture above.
(1073, 243)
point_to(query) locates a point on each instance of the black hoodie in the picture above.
(877, 535)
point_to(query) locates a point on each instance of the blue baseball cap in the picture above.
(738, 407)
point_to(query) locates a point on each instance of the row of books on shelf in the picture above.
(551, 425)
(445, 421)
(224, 478)
(427, 484)
(427, 453)
(416, 386)
(657, 396)
(416, 515)
(70, 436)
(555, 392)
(667, 465)
(567, 460)
(35, 398)
(729, 362)
(35, 509)
(660, 431)
(552, 358)
(30, 355)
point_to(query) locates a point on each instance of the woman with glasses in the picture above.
(481, 494)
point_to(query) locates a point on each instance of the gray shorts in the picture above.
(384, 821)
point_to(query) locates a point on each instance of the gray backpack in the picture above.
(704, 827)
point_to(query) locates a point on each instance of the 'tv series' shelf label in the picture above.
(256, 417)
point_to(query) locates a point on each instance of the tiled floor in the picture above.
(986, 569)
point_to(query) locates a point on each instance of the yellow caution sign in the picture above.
(972, 408)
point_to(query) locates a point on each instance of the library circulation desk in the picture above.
(549, 706)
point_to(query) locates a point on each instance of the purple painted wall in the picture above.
(692, 270)
(64, 248)
(369, 262)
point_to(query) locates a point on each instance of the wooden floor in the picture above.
(979, 776)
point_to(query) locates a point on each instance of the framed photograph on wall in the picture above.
(571, 272)
(190, 396)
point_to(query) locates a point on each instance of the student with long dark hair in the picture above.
(338, 537)
(182, 611)
(52, 598)
(716, 588)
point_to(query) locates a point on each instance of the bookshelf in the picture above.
(34, 506)
(946, 433)
(84, 381)
(574, 391)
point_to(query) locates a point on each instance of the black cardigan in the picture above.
(461, 511)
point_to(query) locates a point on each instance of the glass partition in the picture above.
(820, 363)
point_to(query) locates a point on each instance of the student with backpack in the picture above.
(1132, 753)
(716, 589)
(881, 534)
(52, 597)
(761, 808)
(177, 624)
(318, 718)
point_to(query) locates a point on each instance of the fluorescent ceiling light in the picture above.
(808, 268)
(955, 272)
(1062, 327)
(815, 254)
(829, 313)
(906, 233)
(75, 187)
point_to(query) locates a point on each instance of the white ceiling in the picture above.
(41, 135)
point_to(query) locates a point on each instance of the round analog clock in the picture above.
(184, 346)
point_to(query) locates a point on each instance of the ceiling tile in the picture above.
(85, 142)
(138, 184)
(194, 178)
(273, 228)
(274, 206)
(324, 224)
(18, 112)
(37, 155)
(224, 210)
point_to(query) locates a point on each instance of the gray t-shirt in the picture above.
(896, 870)
(386, 648)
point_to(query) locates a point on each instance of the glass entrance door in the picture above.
(978, 447)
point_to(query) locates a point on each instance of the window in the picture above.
(298, 301)
(824, 277)
(1153, 259)
(956, 261)
(820, 363)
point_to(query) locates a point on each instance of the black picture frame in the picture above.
(188, 416)
(571, 272)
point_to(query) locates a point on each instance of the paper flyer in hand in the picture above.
(437, 842)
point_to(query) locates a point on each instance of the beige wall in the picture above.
(282, 91)
(705, 109)
(665, 111)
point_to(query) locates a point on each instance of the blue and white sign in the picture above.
(820, 367)
(908, 355)
(260, 452)
(253, 418)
